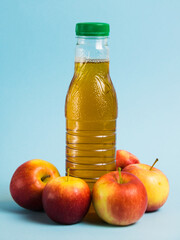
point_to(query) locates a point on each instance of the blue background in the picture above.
(37, 46)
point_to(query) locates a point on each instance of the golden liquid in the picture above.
(91, 112)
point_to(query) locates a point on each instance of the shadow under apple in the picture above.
(38, 217)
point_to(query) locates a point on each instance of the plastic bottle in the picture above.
(91, 107)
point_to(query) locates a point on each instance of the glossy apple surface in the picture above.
(28, 182)
(66, 200)
(155, 182)
(119, 203)
(124, 158)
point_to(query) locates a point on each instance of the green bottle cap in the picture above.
(92, 29)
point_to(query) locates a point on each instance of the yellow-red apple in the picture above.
(124, 158)
(119, 199)
(155, 182)
(28, 182)
(66, 200)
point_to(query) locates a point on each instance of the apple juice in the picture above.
(91, 112)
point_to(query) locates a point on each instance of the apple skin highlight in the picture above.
(66, 200)
(119, 204)
(155, 182)
(28, 182)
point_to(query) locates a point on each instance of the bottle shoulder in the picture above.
(91, 96)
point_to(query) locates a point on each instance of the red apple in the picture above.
(124, 158)
(28, 182)
(66, 200)
(119, 199)
(155, 182)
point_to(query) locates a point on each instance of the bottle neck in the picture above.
(92, 49)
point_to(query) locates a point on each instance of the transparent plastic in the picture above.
(91, 112)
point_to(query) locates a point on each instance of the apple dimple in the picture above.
(43, 174)
(45, 178)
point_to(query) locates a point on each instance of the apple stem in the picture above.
(44, 177)
(153, 164)
(67, 174)
(120, 181)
